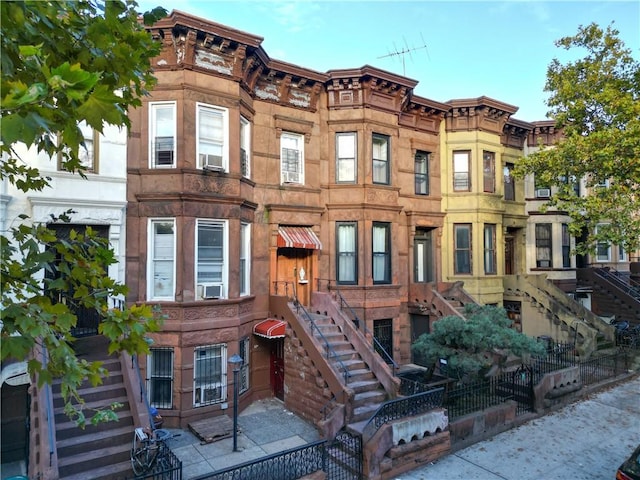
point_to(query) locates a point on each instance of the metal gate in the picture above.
(518, 386)
(383, 332)
(343, 457)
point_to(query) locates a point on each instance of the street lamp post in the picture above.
(235, 362)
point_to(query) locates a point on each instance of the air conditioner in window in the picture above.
(206, 291)
(211, 162)
(290, 177)
(543, 193)
(164, 157)
(208, 394)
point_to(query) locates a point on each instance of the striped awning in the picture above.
(270, 328)
(298, 237)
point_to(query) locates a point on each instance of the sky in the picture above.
(454, 49)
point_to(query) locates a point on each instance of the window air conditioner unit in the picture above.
(543, 193)
(209, 291)
(290, 177)
(211, 162)
(164, 157)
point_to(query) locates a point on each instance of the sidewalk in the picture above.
(265, 427)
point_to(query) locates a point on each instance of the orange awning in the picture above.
(270, 328)
(298, 237)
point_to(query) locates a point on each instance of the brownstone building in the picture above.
(250, 177)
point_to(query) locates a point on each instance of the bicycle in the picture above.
(147, 448)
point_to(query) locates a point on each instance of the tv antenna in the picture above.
(403, 52)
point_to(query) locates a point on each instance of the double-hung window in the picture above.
(291, 158)
(489, 171)
(88, 150)
(544, 245)
(461, 174)
(211, 259)
(622, 254)
(566, 246)
(462, 248)
(162, 252)
(245, 259)
(160, 377)
(381, 252)
(347, 253)
(245, 147)
(603, 248)
(489, 249)
(381, 171)
(209, 375)
(421, 172)
(346, 157)
(212, 137)
(162, 135)
(509, 182)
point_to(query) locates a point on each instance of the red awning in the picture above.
(298, 237)
(270, 328)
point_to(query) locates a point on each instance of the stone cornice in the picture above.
(515, 132)
(482, 113)
(544, 131)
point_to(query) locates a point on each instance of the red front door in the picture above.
(277, 368)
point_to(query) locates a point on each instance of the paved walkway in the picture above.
(266, 427)
(587, 440)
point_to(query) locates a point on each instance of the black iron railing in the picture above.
(402, 408)
(621, 282)
(166, 467)
(600, 368)
(377, 346)
(329, 352)
(288, 465)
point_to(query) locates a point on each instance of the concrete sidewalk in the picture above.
(265, 427)
(587, 440)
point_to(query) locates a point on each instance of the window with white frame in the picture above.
(244, 367)
(381, 170)
(209, 375)
(245, 147)
(421, 172)
(544, 246)
(461, 175)
(622, 254)
(160, 377)
(162, 252)
(245, 259)
(212, 135)
(211, 259)
(603, 248)
(490, 249)
(162, 135)
(346, 157)
(347, 253)
(381, 249)
(566, 246)
(291, 158)
(462, 248)
(88, 150)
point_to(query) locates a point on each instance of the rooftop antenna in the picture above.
(402, 53)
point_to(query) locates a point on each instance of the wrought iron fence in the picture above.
(600, 368)
(288, 465)
(166, 467)
(403, 407)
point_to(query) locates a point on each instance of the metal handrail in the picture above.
(356, 321)
(143, 393)
(402, 408)
(330, 352)
(614, 278)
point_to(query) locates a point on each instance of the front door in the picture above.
(423, 268)
(277, 368)
(293, 274)
(509, 255)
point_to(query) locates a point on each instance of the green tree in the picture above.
(595, 100)
(472, 346)
(65, 62)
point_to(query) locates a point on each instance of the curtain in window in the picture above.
(163, 251)
(347, 253)
(380, 252)
(210, 132)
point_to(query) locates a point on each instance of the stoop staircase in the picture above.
(368, 392)
(100, 452)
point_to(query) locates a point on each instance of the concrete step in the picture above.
(117, 471)
(369, 397)
(69, 429)
(364, 413)
(361, 375)
(94, 394)
(362, 386)
(355, 364)
(87, 461)
(60, 416)
(341, 346)
(95, 441)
